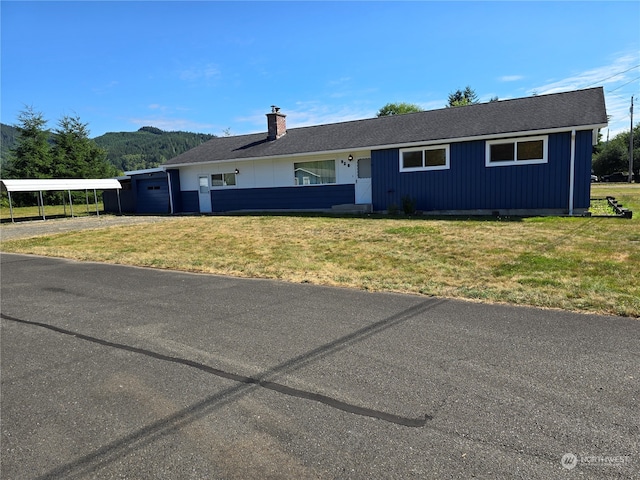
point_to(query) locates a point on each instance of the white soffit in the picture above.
(60, 184)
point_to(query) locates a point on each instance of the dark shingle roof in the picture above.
(584, 108)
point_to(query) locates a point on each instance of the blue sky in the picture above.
(212, 67)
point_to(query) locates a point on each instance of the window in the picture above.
(314, 173)
(203, 183)
(424, 158)
(364, 168)
(520, 151)
(223, 179)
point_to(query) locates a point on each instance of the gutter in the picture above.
(170, 193)
(572, 170)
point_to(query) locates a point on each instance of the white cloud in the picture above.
(311, 113)
(339, 81)
(621, 71)
(207, 71)
(102, 89)
(510, 78)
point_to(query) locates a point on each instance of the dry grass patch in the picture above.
(583, 264)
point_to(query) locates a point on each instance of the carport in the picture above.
(61, 185)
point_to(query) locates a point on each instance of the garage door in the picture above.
(152, 196)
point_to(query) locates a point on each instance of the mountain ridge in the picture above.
(148, 147)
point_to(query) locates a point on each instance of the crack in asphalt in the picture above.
(274, 386)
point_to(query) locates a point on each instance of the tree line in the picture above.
(64, 152)
(613, 155)
(32, 150)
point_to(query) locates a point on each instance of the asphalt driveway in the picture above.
(51, 226)
(121, 372)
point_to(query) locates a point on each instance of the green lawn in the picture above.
(50, 211)
(581, 263)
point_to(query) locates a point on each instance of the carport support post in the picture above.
(95, 199)
(70, 204)
(119, 205)
(42, 205)
(86, 197)
(10, 206)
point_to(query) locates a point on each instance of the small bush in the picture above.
(408, 205)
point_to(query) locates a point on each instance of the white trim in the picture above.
(144, 171)
(224, 185)
(60, 184)
(515, 161)
(425, 168)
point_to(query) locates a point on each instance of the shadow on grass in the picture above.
(373, 216)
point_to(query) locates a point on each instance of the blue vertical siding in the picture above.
(152, 194)
(189, 202)
(282, 198)
(127, 201)
(470, 185)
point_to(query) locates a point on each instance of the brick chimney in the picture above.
(276, 123)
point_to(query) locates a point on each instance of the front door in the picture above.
(204, 194)
(363, 181)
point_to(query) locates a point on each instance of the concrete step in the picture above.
(352, 208)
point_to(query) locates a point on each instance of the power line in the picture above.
(637, 78)
(614, 75)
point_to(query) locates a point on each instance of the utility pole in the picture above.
(631, 143)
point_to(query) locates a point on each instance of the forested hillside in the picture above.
(148, 147)
(8, 140)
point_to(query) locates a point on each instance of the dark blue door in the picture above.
(152, 196)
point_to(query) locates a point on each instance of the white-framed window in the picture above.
(517, 151)
(434, 157)
(314, 173)
(223, 179)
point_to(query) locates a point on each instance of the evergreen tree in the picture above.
(31, 157)
(463, 97)
(76, 155)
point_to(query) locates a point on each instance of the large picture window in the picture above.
(315, 173)
(424, 158)
(223, 179)
(517, 151)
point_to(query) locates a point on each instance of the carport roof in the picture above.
(59, 184)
